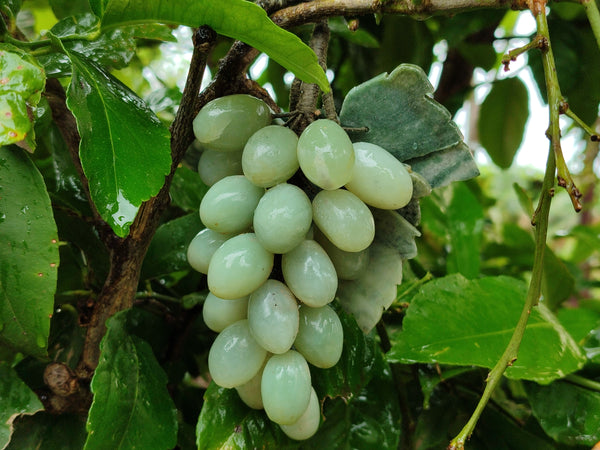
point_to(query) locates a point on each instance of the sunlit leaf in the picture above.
(479, 317)
(125, 150)
(28, 254)
(237, 19)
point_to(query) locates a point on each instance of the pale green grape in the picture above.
(286, 387)
(228, 206)
(235, 357)
(325, 154)
(375, 290)
(378, 178)
(214, 165)
(344, 219)
(309, 273)
(226, 123)
(202, 248)
(273, 316)
(269, 157)
(282, 218)
(219, 313)
(239, 267)
(250, 392)
(308, 424)
(320, 336)
(348, 265)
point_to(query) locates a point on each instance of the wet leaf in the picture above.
(17, 399)
(479, 317)
(21, 85)
(168, 250)
(567, 412)
(125, 150)
(237, 19)
(28, 254)
(128, 382)
(502, 119)
(49, 431)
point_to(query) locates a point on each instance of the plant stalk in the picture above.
(540, 221)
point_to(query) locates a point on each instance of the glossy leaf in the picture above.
(66, 8)
(125, 150)
(17, 399)
(226, 423)
(237, 19)
(567, 412)
(479, 318)
(128, 382)
(465, 226)
(502, 119)
(114, 48)
(98, 6)
(28, 252)
(21, 85)
(168, 250)
(48, 431)
(187, 189)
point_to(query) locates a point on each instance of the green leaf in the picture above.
(403, 118)
(168, 250)
(98, 6)
(568, 413)
(17, 399)
(125, 150)
(49, 431)
(362, 37)
(502, 120)
(226, 423)
(66, 8)
(129, 383)
(465, 221)
(579, 322)
(237, 19)
(21, 84)
(187, 189)
(113, 49)
(479, 319)
(28, 255)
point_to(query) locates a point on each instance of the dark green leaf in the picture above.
(557, 282)
(11, 7)
(17, 399)
(369, 419)
(168, 250)
(114, 48)
(524, 199)
(28, 254)
(98, 6)
(154, 31)
(66, 336)
(21, 85)
(129, 383)
(479, 318)
(339, 26)
(65, 8)
(567, 412)
(502, 120)
(238, 19)
(49, 431)
(187, 189)
(125, 150)
(226, 423)
(465, 226)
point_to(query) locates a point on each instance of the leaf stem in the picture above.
(540, 221)
(583, 382)
(536, 42)
(589, 130)
(591, 10)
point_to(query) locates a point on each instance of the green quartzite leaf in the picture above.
(402, 117)
(17, 399)
(568, 413)
(168, 250)
(479, 318)
(238, 19)
(28, 255)
(21, 85)
(502, 120)
(48, 431)
(125, 150)
(132, 407)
